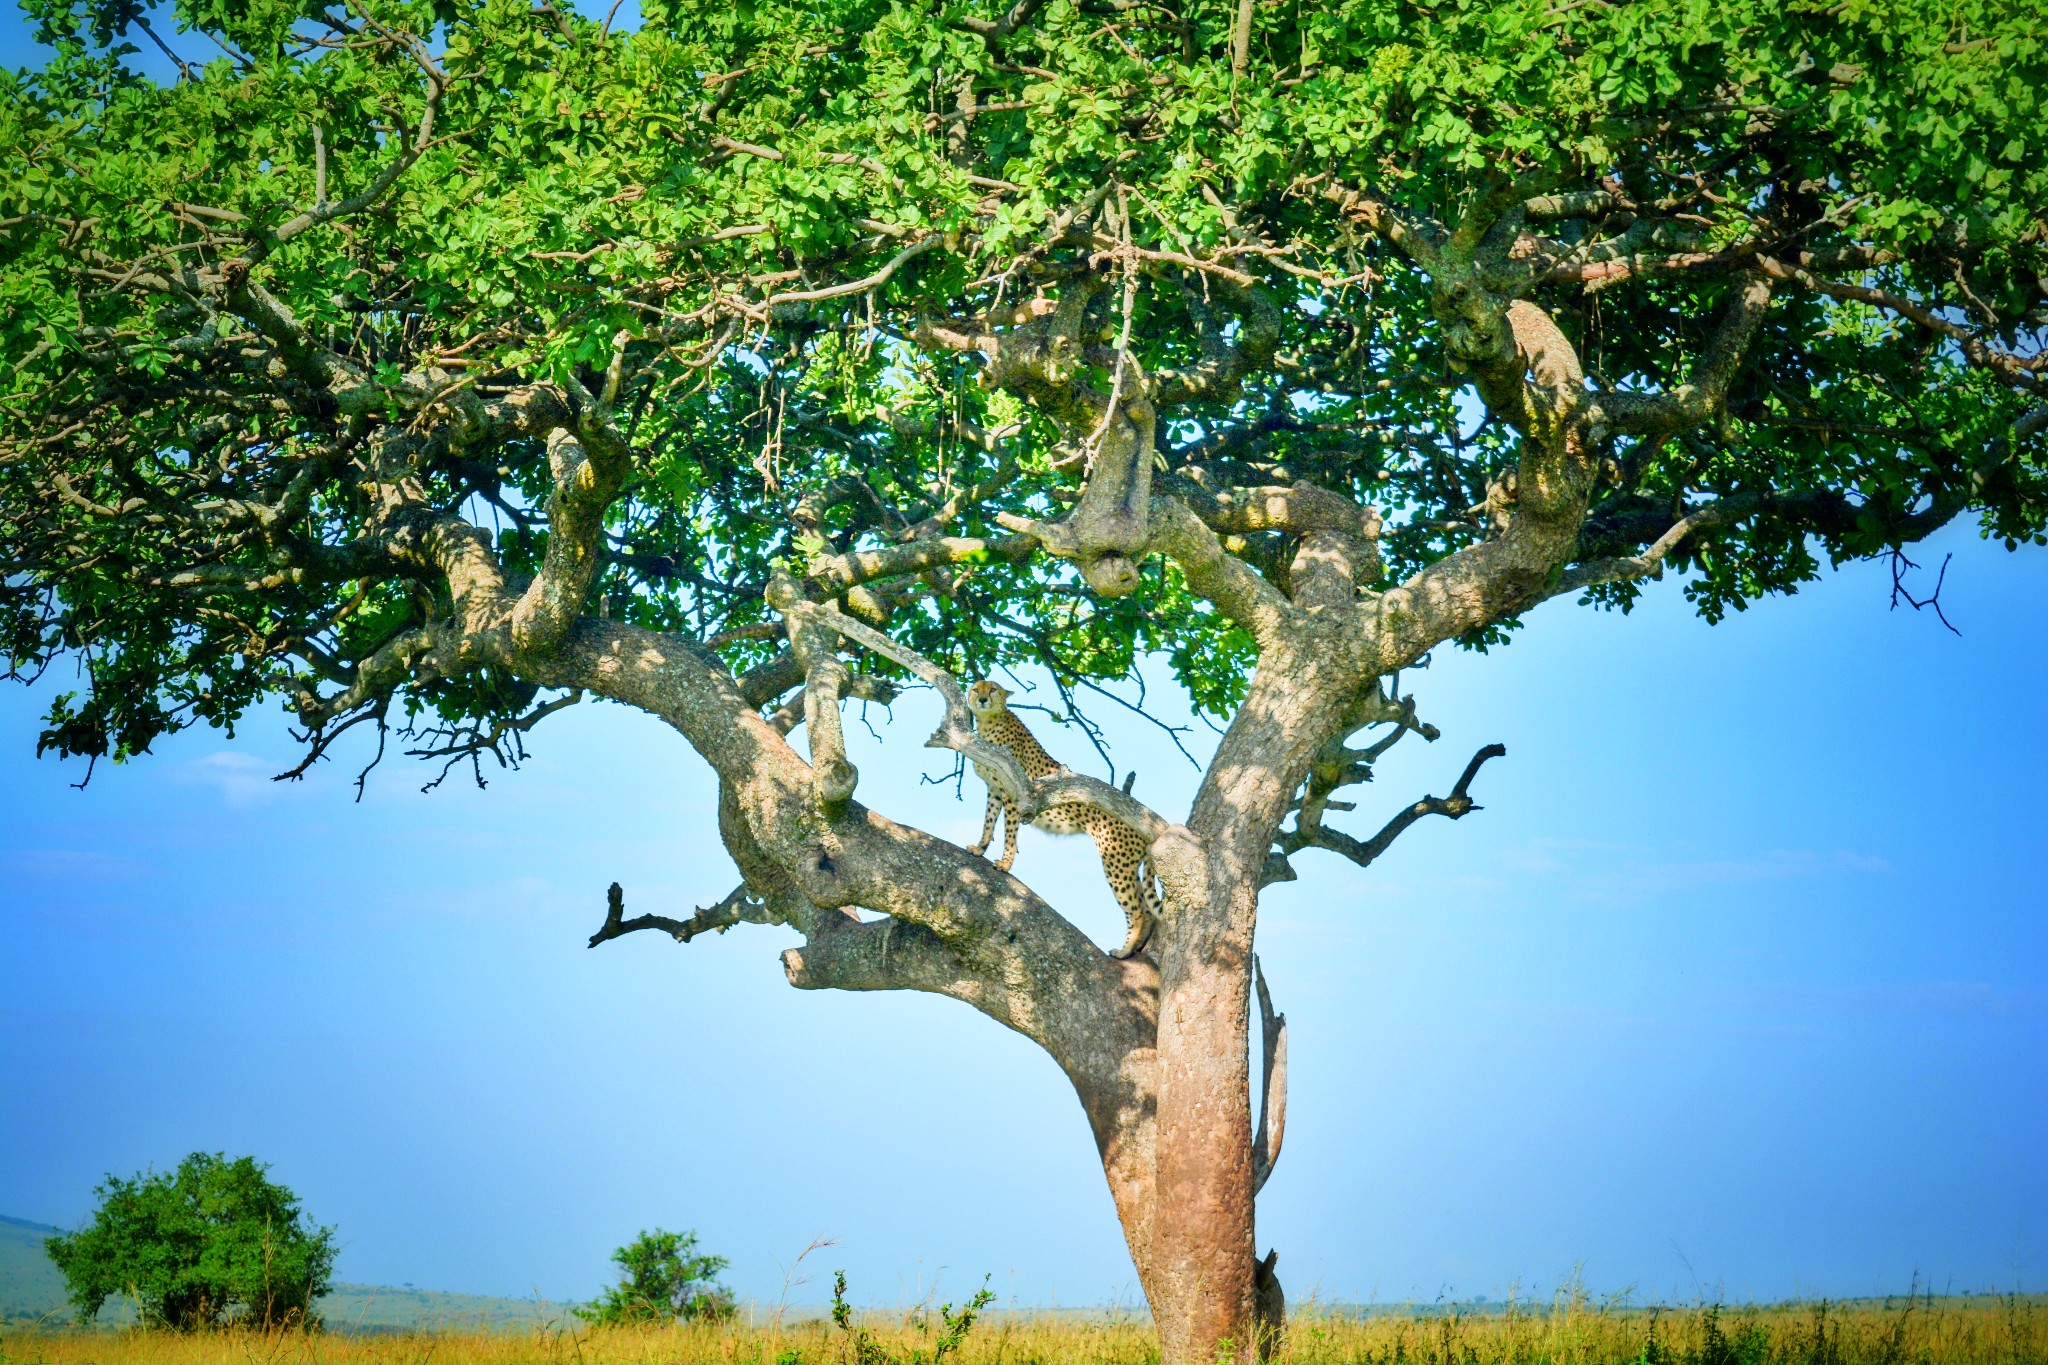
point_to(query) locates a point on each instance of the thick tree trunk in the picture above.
(1175, 1134)
(1201, 1287)
(1204, 1283)
(1180, 1163)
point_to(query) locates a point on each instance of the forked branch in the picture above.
(956, 727)
(1702, 395)
(1456, 806)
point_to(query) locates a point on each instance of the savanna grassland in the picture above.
(2010, 1330)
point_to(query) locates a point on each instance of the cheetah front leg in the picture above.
(988, 824)
(1009, 836)
(998, 807)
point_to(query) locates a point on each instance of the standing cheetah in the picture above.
(1123, 853)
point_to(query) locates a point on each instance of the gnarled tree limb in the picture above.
(956, 732)
(588, 474)
(1703, 394)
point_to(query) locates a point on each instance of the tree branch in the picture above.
(1701, 396)
(956, 728)
(1297, 510)
(1456, 806)
(736, 908)
(2020, 374)
(325, 210)
(860, 286)
(1216, 575)
(587, 477)
(956, 732)
(1272, 1083)
(1420, 241)
(1227, 360)
(834, 574)
(995, 33)
(1821, 512)
(1650, 563)
(825, 674)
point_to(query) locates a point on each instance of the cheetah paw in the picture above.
(1139, 937)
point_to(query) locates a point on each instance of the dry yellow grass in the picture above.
(1570, 1331)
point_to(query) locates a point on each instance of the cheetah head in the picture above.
(987, 700)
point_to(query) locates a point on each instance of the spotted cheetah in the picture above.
(1123, 854)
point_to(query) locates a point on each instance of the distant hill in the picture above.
(381, 1308)
(30, 1287)
(31, 1291)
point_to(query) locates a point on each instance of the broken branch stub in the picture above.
(833, 778)
(1110, 528)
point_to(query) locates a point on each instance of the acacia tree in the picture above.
(214, 1241)
(434, 364)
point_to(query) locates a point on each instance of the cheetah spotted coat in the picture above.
(1123, 853)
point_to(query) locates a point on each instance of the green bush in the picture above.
(663, 1279)
(213, 1242)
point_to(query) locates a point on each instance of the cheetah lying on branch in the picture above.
(1123, 852)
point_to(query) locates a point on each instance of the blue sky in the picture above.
(1735, 986)
(1738, 985)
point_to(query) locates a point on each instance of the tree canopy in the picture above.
(214, 1241)
(367, 248)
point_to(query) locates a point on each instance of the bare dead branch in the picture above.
(1455, 806)
(1901, 593)
(1272, 1083)
(737, 907)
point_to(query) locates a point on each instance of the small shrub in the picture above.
(663, 1278)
